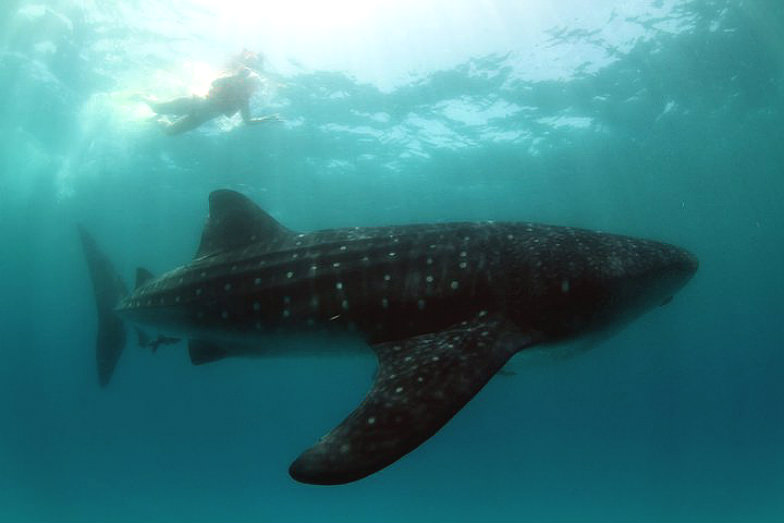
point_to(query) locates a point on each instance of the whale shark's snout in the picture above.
(677, 267)
(648, 280)
(688, 263)
(681, 268)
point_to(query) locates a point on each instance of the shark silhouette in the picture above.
(443, 306)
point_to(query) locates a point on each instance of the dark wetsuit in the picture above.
(231, 93)
(227, 96)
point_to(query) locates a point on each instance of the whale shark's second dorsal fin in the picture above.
(236, 222)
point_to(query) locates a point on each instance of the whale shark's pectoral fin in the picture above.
(421, 383)
(202, 352)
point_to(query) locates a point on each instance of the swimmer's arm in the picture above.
(246, 117)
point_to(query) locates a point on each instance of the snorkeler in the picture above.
(227, 96)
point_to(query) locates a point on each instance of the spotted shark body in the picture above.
(443, 306)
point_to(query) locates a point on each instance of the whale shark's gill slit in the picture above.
(420, 384)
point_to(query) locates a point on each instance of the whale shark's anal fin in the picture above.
(421, 383)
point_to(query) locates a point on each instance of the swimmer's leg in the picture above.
(185, 124)
(179, 106)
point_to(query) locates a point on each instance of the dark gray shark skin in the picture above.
(443, 306)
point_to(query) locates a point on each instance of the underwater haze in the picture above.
(661, 119)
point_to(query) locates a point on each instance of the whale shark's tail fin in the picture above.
(109, 290)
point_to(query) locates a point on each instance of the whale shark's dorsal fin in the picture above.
(142, 276)
(235, 222)
(421, 383)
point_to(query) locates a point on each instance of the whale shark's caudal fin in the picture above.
(421, 383)
(109, 290)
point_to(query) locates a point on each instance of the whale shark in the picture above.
(443, 306)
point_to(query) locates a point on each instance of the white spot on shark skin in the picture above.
(227, 287)
(467, 238)
(289, 274)
(286, 313)
(387, 277)
(339, 286)
(336, 265)
(482, 314)
(463, 265)
(257, 281)
(429, 278)
(384, 303)
(430, 261)
(454, 285)
(371, 420)
(313, 268)
(463, 254)
(399, 390)
(345, 448)
(286, 300)
(392, 254)
(565, 286)
(435, 358)
(510, 236)
(366, 259)
(295, 256)
(342, 247)
(345, 305)
(408, 358)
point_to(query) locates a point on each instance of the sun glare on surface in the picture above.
(301, 18)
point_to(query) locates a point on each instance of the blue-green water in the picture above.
(661, 120)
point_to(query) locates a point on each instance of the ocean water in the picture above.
(660, 119)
